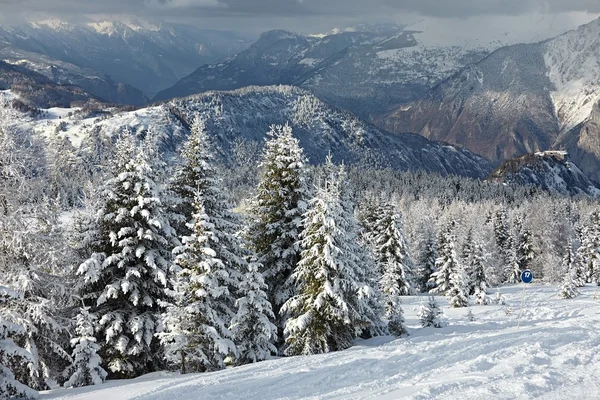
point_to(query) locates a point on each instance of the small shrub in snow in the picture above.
(432, 315)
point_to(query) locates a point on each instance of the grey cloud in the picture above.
(309, 9)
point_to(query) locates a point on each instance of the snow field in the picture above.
(555, 354)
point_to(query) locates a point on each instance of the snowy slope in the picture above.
(554, 354)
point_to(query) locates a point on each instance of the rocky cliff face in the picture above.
(519, 99)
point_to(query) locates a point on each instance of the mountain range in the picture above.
(519, 99)
(121, 62)
(365, 71)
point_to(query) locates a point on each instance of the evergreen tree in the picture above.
(467, 260)
(277, 210)
(253, 331)
(197, 176)
(196, 334)
(33, 260)
(391, 250)
(446, 263)
(432, 315)
(125, 277)
(86, 369)
(513, 270)
(11, 354)
(320, 312)
(478, 278)
(588, 253)
(427, 262)
(569, 287)
(523, 245)
(391, 293)
(366, 308)
(458, 294)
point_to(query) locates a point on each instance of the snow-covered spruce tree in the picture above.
(513, 270)
(196, 335)
(466, 260)
(523, 244)
(33, 260)
(392, 290)
(458, 294)
(427, 263)
(253, 332)
(85, 369)
(198, 176)
(588, 253)
(320, 311)
(125, 277)
(390, 248)
(366, 307)
(276, 211)
(478, 279)
(11, 354)
(569, 287)
(432, 315)
(447, 261)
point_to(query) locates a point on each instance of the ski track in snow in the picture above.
(554, 355)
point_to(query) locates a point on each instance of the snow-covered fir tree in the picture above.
(197, 175)
(432, 315)
(447, 261)
(570, 281)
(478, 279)
(392, 291)
(458, 295)
(253, 332)
(390, 248)
(85, 369)
(320, 311)
(11, 354)
(34, 259)
(276, 210)
(366, 307)
(126, 275)
(196, 335)
(525, 252)
(513, 269)
(426, 262)
(466, 260)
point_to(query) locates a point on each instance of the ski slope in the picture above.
(555, 354)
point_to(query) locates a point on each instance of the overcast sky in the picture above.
(537, 18)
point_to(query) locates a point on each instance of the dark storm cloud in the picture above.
(299, 8)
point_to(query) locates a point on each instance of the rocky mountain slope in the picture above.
(550, 170)
(144, 55)
(37, 91)
(364, 71)
(246, 114)
(519, 99)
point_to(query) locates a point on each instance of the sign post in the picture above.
(526, 278)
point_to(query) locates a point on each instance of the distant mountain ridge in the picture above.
(519, 99)
(136, 56)
(549, 170)
(364, 70)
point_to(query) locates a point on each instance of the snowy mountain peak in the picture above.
(573, 64)
(53, 24)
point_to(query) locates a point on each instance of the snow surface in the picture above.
(555, 354)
